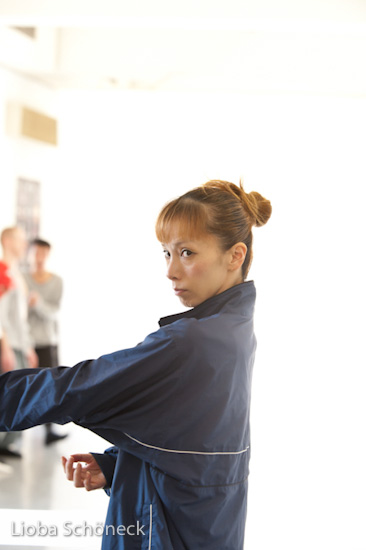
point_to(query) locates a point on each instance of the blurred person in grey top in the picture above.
(45, 293)
(16, 348)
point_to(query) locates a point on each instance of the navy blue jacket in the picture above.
(176, 408)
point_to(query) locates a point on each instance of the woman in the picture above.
(175, 407)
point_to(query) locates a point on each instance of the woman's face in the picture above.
(197, 267)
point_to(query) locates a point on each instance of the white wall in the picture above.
(31, 55)
(121, 156)
(22, 157)
(240, 55)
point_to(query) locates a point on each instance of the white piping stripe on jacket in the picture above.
(150, 527)
(186, 452)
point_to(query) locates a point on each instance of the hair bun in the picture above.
(259, 208)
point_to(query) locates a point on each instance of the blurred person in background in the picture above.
(16, 349)
(45, 293)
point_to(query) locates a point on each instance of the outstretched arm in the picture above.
(109, 395)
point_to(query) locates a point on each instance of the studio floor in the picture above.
(36, 492)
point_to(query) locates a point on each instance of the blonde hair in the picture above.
(220, 208)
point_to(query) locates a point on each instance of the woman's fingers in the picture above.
(83, 476)
(69, 468)
(87, 482)
(80, 457)
(74, 474)
(78, 476)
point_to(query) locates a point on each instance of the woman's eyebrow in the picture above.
(178, 243)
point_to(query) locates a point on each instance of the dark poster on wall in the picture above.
(28, 208)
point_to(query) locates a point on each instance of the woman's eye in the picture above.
(166, 254)
(186, 253)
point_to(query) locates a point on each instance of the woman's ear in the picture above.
(237, 256)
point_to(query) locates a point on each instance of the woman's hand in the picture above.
(89, 476)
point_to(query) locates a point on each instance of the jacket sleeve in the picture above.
(107, 463)
(107, 395)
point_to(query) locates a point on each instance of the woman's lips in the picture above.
(179, 291)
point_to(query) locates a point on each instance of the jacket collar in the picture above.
(235, 295)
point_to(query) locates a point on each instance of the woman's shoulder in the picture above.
(199, 331)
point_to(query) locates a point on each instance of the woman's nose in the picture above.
(173, 269)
